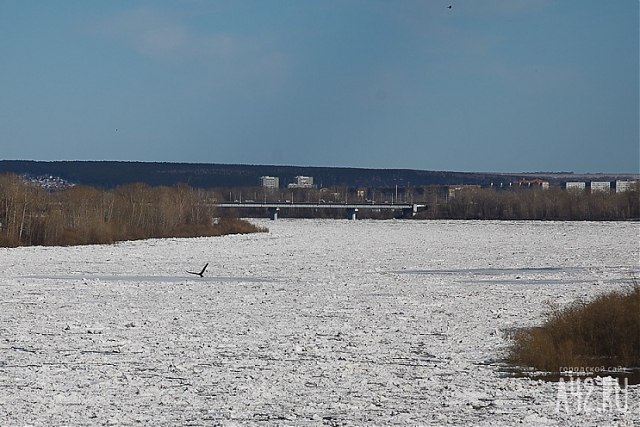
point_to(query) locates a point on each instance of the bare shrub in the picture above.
(87, 215)
(604, 331)
(535, 204)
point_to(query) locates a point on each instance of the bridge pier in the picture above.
(411, 212)
(408, 213)
(352, 213)
(273, 213)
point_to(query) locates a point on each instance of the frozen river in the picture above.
(318, 322)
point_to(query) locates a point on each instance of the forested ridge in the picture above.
(110, 174)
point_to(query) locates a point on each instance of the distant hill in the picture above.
(108, 174)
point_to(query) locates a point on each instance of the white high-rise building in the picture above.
(603, 186)
(302, 182)
(622, 186)
(270, 181)
(575, 185)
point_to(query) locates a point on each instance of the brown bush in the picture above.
(237, 226)
(602, 332)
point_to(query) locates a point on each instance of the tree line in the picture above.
(30, 215)
(473, 202)
(537, 204)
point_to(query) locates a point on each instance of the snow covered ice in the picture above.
(318, 322)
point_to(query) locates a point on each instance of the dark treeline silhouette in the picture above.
(110, 174)
(30, 215)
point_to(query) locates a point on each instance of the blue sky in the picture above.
(488, 85)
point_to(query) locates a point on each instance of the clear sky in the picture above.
(486, 85)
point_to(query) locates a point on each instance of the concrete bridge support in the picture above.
(411, 212)
(408, 213)
(273, 213)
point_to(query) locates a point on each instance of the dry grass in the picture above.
(602, 332)
(105, 234)
(222, 227)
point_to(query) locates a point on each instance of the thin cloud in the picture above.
(497, 8)
(148, 32)
(228, 59)
(159, 36)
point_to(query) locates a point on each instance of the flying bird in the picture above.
(449, 7)
(201, 273)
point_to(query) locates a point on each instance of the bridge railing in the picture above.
(351, 208)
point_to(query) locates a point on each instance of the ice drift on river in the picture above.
(318, 322)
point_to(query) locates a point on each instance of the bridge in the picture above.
(408, 209)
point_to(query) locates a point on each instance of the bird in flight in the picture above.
(449, 7)
(201, 273)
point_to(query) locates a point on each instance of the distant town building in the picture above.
(575, 185)
(302, 182)
(48, 182)
(270, 181)
(455, 189)
(531, 183)
(602, 186)
(622, 186)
